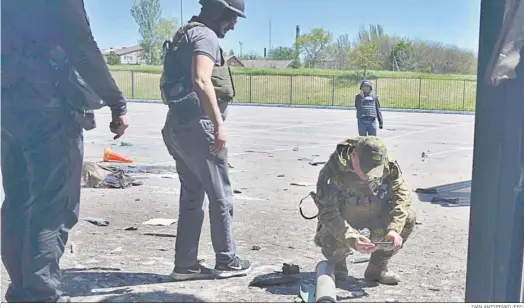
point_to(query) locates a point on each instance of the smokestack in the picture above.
(298, 33)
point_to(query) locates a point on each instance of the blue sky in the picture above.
(449, 21)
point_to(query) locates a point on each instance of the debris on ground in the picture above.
(281, 176)
(132, 228)
(97, 221)
(117, 250)
(307, 292)
(256, 248)
(418, 223)
(429, 191)
(424, 155)
(305, 159)
(296, 149)
(160, 222)
(97, 176)
(445, 200)
(275, 279)
(317, 163)
(236, 191)
(126, 144)
(230, 166)
(72, 247)
(301, 184)
(112, 156)
(159, 234)
(360, 259)
(290, 269)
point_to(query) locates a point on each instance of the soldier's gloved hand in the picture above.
(118, 126)
(364, 245)
(396, 239)
(381, 126)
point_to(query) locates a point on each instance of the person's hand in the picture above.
(118, 126)
(381, 126)
(396, 239)
(220, 138)
(364, 245)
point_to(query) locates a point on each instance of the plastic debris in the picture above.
(160, 222)
(97, 221)
(429, 191)
(290, 269)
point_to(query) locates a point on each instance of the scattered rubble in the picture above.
(163, 222)
(97, 221)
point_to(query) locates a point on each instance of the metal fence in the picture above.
(402, 93)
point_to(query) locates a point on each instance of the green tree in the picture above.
(231, 52)
(282, 53)
(313, 45)
(366, 57)
(166, 29)
(147, 15)
(113, 59)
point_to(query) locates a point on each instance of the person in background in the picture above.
(368, 110)
(47, 49)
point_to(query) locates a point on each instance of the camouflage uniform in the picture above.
(347, 204)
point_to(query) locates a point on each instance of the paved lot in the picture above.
(267, 147)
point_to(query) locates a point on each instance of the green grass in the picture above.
(323, 87)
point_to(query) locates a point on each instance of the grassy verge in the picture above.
(322, 87)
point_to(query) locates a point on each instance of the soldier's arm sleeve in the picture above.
(401, 199)
(357, 102)
(328, 210)
(85, 55)
(379, 113)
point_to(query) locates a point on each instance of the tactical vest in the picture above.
(368, 107)
(176, 85)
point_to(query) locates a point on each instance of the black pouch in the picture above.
(74, 91)
(186, 108)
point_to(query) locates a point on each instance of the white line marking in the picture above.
(451, 151)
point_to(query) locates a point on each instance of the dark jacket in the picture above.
(30, 28)
(364, 110)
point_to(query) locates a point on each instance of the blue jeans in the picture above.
(367, 127)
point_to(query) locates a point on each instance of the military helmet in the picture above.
(236, 6)
(366, 83)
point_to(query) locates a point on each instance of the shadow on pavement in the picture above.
(85, 283)
(152, 297)
(458, 190)
(352, 284)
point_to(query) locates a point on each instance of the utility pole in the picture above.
(270, 33)
(240, 43)
(181, 13)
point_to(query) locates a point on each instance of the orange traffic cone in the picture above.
(110, 156)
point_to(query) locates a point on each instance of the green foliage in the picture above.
(282, 53)
(313, 45)
(147, 14)
(366, 57)
(113, 59)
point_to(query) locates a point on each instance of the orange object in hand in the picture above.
(111, 156)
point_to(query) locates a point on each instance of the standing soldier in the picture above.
(361, 187)
(197, 87)
(46, 47)
(368, 110)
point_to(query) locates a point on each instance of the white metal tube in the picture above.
(326, 291)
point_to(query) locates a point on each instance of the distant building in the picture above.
(128, 55)
(275, 64)
(233, 61)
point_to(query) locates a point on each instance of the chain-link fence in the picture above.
(405, 93)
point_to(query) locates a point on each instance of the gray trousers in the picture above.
(367, 127)
(201, 173)
(42, 153)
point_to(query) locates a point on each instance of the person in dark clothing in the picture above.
(197, 86)
(42, 139)
(368, 110)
